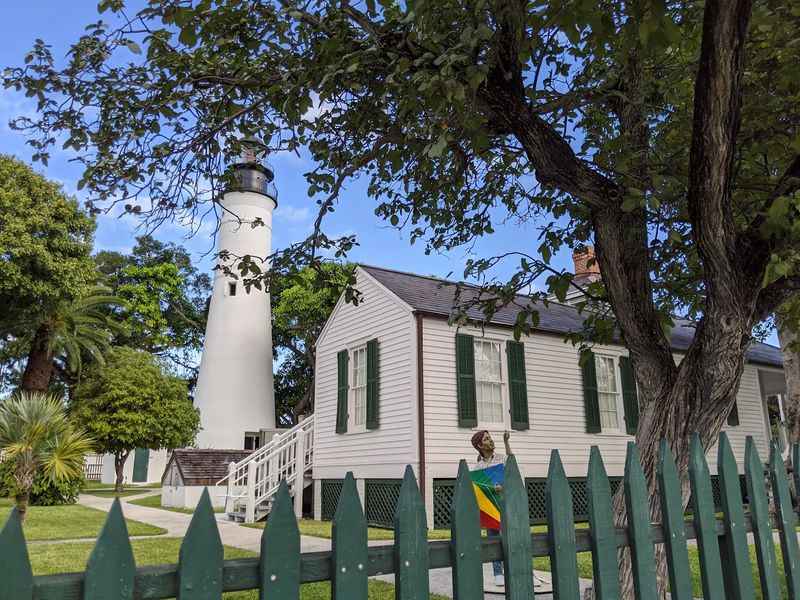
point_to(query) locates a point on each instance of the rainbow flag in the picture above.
(483, 482)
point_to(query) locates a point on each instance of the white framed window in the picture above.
(358, 389)
(609, 393)
(489, 381)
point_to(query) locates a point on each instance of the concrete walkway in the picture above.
(247, 538)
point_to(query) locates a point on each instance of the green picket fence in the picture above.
(202, 574)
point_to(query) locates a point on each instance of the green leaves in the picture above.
(132, 403)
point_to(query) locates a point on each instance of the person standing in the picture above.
(482, 442)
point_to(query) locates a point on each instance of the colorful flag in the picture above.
(484, 482)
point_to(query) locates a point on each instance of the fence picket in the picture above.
(15, 565)
(669, 485)
(201, 555)
(561, 531)
(637, 505)
(111, 570)
(516, 533)
(705, 523)
(796, 468)
(280, 550)
(735, 553)
(465, 539)
(349, 545)
(411, 542)
(762, 531)
(787, 520)
(604, 536)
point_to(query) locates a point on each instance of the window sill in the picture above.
(490, 427)
(613, 434)
(357, 431)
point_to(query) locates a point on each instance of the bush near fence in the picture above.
(203, 574)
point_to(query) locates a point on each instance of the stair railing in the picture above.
(255, 479)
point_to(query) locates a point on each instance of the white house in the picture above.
(190, 471)
(396, 385)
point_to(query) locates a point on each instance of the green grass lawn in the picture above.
(72, 521)
(155, 502)
(96, 485)
(47, 559)
(323, 529)
(585, 569)
(110, 493)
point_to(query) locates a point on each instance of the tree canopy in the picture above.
(301, 305)
(164, 295)
(131, 402)
(45, 248)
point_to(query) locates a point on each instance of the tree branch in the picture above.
(716, 121)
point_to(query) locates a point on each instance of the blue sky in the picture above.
(379, 244)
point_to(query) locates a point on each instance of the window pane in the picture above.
(359, 393)
(488, 374)
(608, 410)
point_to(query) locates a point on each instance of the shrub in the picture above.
(45, 491)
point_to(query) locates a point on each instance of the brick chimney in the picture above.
(581, 259)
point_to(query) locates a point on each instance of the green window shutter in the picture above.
(629, 398)
(465, 374)
(372, 385)
(342, 361)
(590, 398)
(517, 386)
(733, 416)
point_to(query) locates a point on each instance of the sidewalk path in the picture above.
(247, 538)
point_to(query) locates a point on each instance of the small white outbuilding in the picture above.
(190, 470)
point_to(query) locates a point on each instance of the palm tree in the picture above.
(80, 328)
(36, 435)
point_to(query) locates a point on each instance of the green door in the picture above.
(140, 459)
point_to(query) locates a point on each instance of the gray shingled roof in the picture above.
(204, 466)
(434, 296)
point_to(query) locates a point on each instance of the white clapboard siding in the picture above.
(555, 402)
(383, 452)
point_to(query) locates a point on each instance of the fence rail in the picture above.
(203, 574)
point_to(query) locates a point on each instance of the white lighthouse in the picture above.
(235, 392)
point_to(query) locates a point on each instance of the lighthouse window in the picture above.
(359, 409)
(231, 289)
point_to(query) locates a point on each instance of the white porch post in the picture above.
(231, 471)
(250, 509)
(317, 499)
(299, 472)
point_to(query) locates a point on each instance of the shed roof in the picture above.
(434, 296)
(204, 466)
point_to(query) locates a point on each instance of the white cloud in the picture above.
(292, 214)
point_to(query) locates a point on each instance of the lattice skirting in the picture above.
(331, 488)
(443, 490)
(380, 501)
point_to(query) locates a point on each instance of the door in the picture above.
(140, 459)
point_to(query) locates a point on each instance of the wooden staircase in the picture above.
(252, 483)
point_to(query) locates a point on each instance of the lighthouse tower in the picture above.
(235, 392)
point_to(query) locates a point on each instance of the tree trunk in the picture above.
(699, 400)
(791, 367)
(24, 475)
(22, 499)
(120, 459)
(39, 368)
